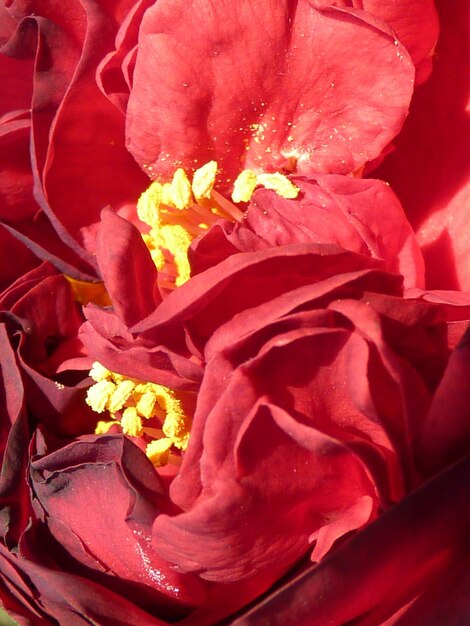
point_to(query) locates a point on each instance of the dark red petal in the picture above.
(79, 161)
(280, 78)
(363, 216)
(112, 478)
(259, 502)
(446, 432)
(113, 75)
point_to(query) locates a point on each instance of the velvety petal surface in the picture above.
(110, 475)
(74, 156)
(127, 269)
(363, 216)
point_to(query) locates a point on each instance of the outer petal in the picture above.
(283, 79)
(430, 169)
(74, 157)
(446, 432)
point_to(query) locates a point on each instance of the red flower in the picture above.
(306, 347)
(287, 401)
(281, 108)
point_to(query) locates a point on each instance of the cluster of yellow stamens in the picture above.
(180, 210)
(140, 409)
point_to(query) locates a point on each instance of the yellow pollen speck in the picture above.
(158, 451)
(204, 180)
(99, 394)
(244, 186)
(131, 423)
(280, 184)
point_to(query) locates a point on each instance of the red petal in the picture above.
(414, 546)
(430, 169)
(326, 87)
(415, 23)
(127, 268)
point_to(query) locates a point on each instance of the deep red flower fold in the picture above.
(78, 163)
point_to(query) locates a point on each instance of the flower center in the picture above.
(151, 413)
(180, 210)
(176, 212)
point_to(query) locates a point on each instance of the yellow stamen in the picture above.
(102, 427)
(179, 211)
(149, 204)
(280, 184)
(141, 409)
(244, 186)
(120, 395)
(146, 403)
(204, 180)
(158, 451)
(98, 395)
(181, 194)
(131, 422)
(98, 372)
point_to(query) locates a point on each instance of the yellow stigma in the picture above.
(140, 409)
(180, 210)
